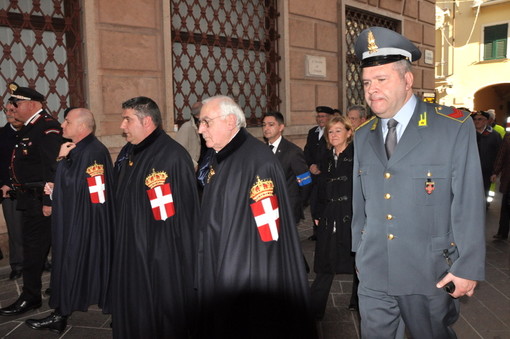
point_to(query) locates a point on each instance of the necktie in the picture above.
(391, 137)
(271, 147)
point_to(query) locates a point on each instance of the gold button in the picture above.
(389, 217)
(452, 244)
(387, 175)
(391, 236)
(387, 196)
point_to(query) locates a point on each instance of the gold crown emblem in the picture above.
(95, 170)
(372, 47)
(262, 189)
(13, 87)
(156, 179)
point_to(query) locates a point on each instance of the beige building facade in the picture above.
(472, 55)
(127, 48)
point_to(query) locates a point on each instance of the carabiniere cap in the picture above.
(24, 93)
(378, 46)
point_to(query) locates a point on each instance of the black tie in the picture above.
(391, 137)
(271, 147)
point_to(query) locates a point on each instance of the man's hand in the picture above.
(462, 286)
(65, 149)
(48, 188)
(5, 189)
(314, 169)
(46, 210)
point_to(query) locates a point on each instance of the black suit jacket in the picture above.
(293, 162)
(315, 147)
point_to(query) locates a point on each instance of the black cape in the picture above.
(249, 288)
(152, 276)
(81, 230)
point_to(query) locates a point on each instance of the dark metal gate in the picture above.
(357, 20)
(225, 47)
(41, 42)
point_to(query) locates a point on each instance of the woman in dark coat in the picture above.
(333, 248)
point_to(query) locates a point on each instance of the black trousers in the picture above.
(504, 216)
(36, 244)
(14, 221)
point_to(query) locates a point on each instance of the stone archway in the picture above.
(495, 96)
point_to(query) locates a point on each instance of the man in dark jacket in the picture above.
(314, 151)
(291, 158)
(33, 165)
(488, 141)
(13, 217)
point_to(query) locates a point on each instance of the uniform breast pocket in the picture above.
(430, 184)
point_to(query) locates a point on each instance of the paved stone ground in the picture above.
(486, 315)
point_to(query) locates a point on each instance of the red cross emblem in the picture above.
(97, 189)
(162, 202)
(267, 218)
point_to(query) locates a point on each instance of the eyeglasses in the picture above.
(206, 122)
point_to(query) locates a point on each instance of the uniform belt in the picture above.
(344, 198)
(342, 178)
(29, 187)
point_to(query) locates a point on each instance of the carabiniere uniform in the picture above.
(33, 164)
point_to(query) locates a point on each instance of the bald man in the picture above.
(81, 223)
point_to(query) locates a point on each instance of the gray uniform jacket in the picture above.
(421, 213)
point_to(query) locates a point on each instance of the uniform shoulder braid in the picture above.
(452, 113)
(365, 123)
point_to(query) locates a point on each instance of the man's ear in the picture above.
(231, 121)
(146, 121)
(409, 77)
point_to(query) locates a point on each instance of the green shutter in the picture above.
(495, 41)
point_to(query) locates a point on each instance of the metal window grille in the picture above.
(355, 22)
(41, 43)
(225, 47)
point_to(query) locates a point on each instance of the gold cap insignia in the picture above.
(13, 87)
(372, 47)
(95, 170)
(156, 179)
(261, 189)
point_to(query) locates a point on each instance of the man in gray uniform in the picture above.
(418, 208)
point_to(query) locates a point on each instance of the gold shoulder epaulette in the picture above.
(453, 113)
(366, 122)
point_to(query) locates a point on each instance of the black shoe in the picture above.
(20, 306)
(54, 322)
(499, 236)
(15, 274)
(312, 237)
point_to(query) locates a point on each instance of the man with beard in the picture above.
(156, 203)
(251, 276)
(82, 223)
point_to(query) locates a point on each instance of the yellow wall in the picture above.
(464, 69)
